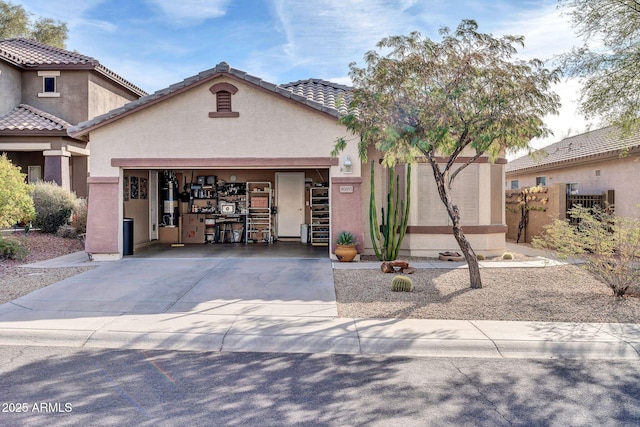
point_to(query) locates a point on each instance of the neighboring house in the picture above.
(224, 146)
(588, 164)
(45, 90)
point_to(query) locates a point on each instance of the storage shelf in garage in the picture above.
(319, 206)
(259, 222)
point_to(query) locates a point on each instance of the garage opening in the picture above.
(258, 207)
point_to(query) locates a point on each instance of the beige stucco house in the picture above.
(226, 156)
(591, 163)
(45, 90)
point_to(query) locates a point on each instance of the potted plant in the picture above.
(346, 247)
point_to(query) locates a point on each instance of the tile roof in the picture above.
(27, 118)
(317, 94)
(600, 142)
(30, 54)
(329, 94)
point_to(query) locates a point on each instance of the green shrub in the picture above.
(79, 217)
(12, 248)
(54, 221)
(15, 204)
(50, 201)
(608, 244)
(67, 231)
(507, 255)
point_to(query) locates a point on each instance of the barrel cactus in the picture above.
(401, 284)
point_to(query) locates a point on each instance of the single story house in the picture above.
(225, 156)
(591, 163)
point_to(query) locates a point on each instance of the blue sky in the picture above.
(155, 43)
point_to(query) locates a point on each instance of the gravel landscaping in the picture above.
(16, 281)
(562, 294)
(559, 294)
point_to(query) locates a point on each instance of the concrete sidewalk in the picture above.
(196, 331)
(266, 305)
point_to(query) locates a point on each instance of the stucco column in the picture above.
(346, 209)
(104, 228)
(56, 167)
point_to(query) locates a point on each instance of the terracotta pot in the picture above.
(346, 253)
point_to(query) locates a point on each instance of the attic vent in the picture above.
(223, 101)
(223, 93)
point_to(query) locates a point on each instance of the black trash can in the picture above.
(127, 234)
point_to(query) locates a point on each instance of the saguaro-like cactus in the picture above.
(387, 237)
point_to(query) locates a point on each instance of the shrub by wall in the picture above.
(53, 206)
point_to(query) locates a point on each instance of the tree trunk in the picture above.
(454, 213)
(469, 256)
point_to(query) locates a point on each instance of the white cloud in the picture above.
(324, 33)
(547, 32)
(191, 10)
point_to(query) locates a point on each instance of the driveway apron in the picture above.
(224, 286)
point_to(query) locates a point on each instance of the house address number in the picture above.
(346, 188)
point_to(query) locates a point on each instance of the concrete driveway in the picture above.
(235, 286)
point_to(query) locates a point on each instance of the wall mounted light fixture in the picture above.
(348, 165)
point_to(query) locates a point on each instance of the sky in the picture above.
(155, 43)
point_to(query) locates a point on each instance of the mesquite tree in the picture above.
(607, 62)
(450, 103)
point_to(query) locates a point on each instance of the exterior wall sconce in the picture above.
(348, 165)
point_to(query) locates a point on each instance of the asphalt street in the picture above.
(51, 386)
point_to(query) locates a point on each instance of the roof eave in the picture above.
(32, 132)
(573, 162)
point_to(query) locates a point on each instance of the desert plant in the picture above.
(11, 248)
(507, 255)
(15, 204)
(52, 222)
(346, 238)
(609, 245)
(67, 231)
(79, 216)
(401, 284)
(387, 237)
(51, 203)
(480, 257)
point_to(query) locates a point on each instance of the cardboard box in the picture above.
(168, 234)
(259, 202)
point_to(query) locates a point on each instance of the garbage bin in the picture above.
(304, 233)
(127, 234)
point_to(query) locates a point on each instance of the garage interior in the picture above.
(226, 208)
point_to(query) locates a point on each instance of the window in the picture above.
(572, 188)
(34, 174)
(49, 84)
(514, 184)
(541, 180)
(223, 93)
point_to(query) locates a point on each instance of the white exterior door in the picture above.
(290, 203)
